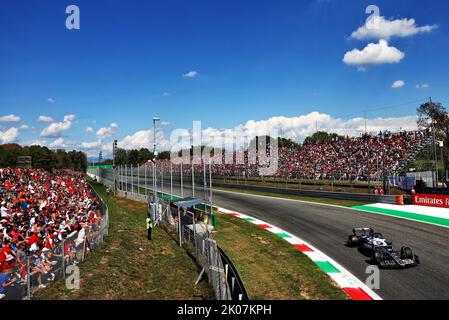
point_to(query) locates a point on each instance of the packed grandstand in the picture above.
(340, 158)
(39, 211)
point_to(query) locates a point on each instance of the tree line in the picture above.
(135, 156)
(142, 155)
(434, 116)
(42, 157)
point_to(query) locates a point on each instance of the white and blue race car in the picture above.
(381, 251)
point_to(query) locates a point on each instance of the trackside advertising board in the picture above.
(431, 200)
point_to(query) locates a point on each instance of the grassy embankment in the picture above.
(128, 266)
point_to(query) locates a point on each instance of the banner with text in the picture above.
(431, 200)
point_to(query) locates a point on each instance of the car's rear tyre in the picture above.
(406, 253)
(353, 241)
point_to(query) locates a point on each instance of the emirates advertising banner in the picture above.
(431, 200)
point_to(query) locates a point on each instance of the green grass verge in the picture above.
(345, 203)
(129, 267)
(406, 215)
(270, 267)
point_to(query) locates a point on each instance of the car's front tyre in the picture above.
(407, 253)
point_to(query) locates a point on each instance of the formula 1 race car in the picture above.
(382, 253)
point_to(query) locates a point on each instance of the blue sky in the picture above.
(254, 60)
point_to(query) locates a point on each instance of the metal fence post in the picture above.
(28, 278)
(132, 179)
(162, 179)
(182, 186)
(63, 258)
(126, 178)
(194, 236)
(193, 180)
(179, 227)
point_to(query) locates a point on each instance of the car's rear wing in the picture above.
(362, 231)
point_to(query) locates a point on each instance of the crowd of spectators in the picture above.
(340, 158)
(39, 209)
(350, 158)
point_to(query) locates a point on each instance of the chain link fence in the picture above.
(195, 237)
(33, 270)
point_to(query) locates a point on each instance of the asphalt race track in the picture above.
(327, 228)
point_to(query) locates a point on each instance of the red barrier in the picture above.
(400, 200)
(431, 200)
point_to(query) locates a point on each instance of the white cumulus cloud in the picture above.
(69, 117)
(381, 28)
(190, 74)
(56, 128)
(24, 127)
(38, 143)
(58, 143)
(422, 86)
(91, 145)
(89, 130)
(298, 128)
(46, 119)
(107, 132)
(398, 84)
(9, 135)
(9, 118)
(372, 54)
(295, 128)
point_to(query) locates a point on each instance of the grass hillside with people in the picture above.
(129, 267)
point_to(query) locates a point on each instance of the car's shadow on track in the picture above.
(364, 253)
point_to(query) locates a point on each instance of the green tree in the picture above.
(133, 156)
(145, 155)
(164, 155)
(321, 136)
(287, 143)
(42, 157)
(121, 157)
(434, 115)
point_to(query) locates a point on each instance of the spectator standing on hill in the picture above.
(149, 226)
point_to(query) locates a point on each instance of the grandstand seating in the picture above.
(343, 158)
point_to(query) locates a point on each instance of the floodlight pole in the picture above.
(442, 159)
(193, 180)
(146, 191)
(434, 148)
(171, 180)
(154, 155)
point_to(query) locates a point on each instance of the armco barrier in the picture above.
(374, 198)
